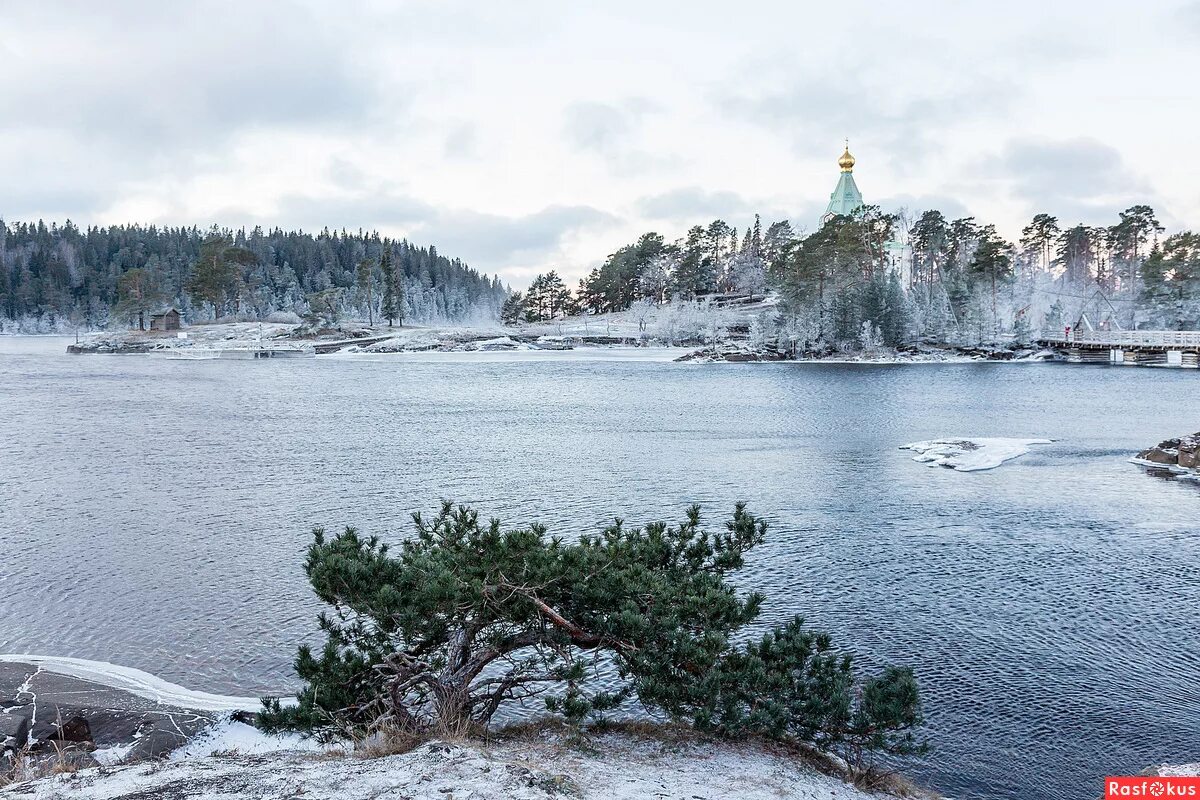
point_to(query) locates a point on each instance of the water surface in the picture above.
(153, 513)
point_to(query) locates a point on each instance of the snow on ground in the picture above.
(601, 353)
(968, 454)
(136, 682)
(613, 766)
(233, 736)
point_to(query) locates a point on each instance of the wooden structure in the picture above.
(165, 320)
(1127, 348)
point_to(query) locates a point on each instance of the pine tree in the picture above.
(465, 618)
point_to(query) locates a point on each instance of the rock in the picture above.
(1189, 451)
(75, 729)
(14, 730)
(1157, 455)
(155, 743)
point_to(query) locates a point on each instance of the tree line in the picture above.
(876, 278)
(55, 277)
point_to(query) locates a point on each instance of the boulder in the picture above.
(1157, 455)
(1189, 451)
(14, 730)
(155, 743)
(75, 729)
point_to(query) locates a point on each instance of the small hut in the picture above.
(165, 320)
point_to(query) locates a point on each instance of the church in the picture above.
(846, 199)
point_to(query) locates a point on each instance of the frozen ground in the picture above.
(969, 454)
(611, 766)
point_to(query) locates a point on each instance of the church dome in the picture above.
(846, 162)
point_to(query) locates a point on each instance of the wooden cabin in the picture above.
(166, 320)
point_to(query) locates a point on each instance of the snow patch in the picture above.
(136, 682)
(232, 736)
(968, 454)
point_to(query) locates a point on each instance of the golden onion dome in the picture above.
(846, 162)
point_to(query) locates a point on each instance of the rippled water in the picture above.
(153, 513)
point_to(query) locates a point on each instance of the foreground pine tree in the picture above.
(465, 617)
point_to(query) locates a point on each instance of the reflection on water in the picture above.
(153, 513)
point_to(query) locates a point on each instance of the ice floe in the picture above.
(970, 453)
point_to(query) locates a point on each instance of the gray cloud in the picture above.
(123, 77)
(826, 108)
(692, 203)
(611, 132)
(462, 142)
(493, 242)
(1078, 180)
(597, 126)
(1189, 15)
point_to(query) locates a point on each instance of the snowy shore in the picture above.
(502, 343)
(540, 765)
(152, 738)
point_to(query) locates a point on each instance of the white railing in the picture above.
(1183, 338)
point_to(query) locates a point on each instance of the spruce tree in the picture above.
(391, 301)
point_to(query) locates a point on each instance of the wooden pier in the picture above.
(1180, 349)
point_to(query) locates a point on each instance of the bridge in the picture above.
(1133, 348)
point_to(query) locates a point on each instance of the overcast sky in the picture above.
(523, 136)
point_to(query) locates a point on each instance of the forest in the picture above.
(873, 278)
(56, 278)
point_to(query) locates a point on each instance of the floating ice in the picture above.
(968, 454)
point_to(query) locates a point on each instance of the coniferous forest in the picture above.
(62, 277)
(874, 278)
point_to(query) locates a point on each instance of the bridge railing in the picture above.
(1182, 338)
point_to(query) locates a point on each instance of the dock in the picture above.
(1180, 349)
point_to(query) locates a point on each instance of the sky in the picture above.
(526, 135)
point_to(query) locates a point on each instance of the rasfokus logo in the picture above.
(1151, 787)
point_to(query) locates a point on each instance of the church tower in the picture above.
(846, 199)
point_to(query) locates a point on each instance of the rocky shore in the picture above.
(540, 764)
(51, 721)
(69, 737)
(1179, 456)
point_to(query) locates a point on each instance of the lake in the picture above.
(154, 514)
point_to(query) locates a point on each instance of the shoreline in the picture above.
(207, 742)
(224, 340)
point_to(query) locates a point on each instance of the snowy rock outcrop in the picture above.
(612, 766)
(1177, 455)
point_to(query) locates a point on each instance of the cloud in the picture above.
(122, 76)
(1080, 179)
(692, 203)
(599, 127)
(462, 142)
(498, 243)
(1189, 15)
(827, 108)
(612, 133)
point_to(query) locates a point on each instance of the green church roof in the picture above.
(846, 198)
